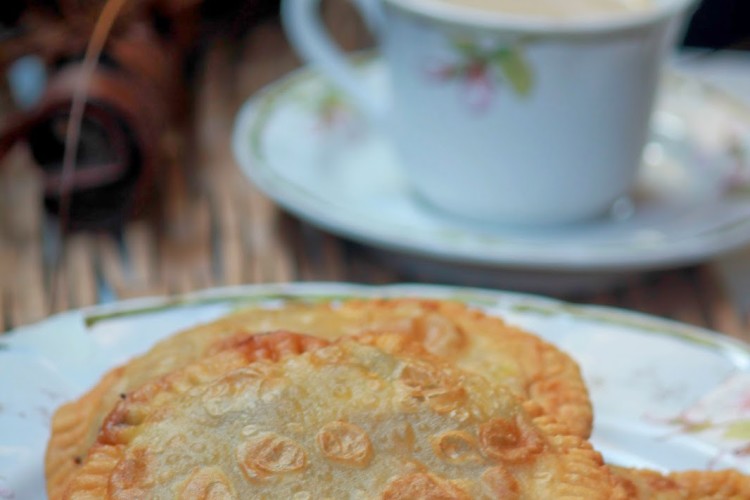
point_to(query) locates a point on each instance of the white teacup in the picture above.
(512, 119)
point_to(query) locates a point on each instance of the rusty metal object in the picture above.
(134, 96)
(137, 95)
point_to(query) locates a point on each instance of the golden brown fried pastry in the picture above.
(476, 342)
(344, 421)
(72, 429)
(644, 484)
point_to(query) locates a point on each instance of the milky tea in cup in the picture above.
(556, 9)
(514, 112)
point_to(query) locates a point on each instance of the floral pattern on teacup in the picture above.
(480, 70)
(5, 491)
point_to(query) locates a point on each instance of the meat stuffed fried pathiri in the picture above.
(474, 341)
(349, 420)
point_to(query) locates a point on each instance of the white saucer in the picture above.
(303, 145)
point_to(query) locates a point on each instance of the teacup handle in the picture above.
(305, 30)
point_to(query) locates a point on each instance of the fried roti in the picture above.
(644, 484)
(345, 421)
(473, 340)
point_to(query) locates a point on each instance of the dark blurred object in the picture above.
(234, 17)
(720, 24)
(134, 95)
(137, 96)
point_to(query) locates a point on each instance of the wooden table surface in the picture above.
(215, 229)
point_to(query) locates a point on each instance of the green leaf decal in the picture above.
(515, 70)
(466, 48)
(690, 426)
(695, 427)
(738, 430)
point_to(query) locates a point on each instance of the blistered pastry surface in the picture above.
(472, 340)
(343, 421)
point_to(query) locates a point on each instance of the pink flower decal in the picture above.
(477, 83)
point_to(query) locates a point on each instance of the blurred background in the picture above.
(720, 24)
(152, 56)
(157, 204)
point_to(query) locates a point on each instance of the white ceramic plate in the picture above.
(665, 395)
(304, 145)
